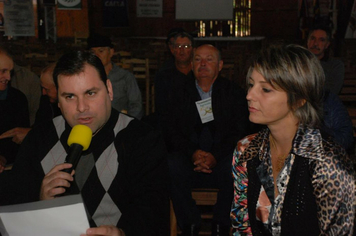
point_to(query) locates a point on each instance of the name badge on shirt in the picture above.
(205, 110)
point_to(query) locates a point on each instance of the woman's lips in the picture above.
(252, 109)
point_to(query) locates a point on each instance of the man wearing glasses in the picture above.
(170, 81)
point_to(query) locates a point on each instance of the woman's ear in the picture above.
(300, 103)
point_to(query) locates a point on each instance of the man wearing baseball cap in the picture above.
(127, 95)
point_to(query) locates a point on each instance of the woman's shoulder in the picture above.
(334, 152)
(249, 146)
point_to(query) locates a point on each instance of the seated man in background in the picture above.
(49, 100)
(48, 106)
(13, 110)
(319, 40)
(122, 176)
(337, 122)
(127, 95)
(207, 120)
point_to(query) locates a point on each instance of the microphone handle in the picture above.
(74, 153)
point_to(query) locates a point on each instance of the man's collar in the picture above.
(3, 93)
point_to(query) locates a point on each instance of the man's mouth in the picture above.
(85, 120)
(315, 48)
(4, 81)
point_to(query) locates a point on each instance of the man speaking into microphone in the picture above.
(122, 176)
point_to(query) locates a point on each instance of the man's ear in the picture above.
(109, 87)
(221, 63)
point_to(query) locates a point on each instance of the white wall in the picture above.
(204, 9)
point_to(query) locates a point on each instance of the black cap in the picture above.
(97, 40)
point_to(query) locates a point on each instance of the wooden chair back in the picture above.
(140, 68)
(80, 37)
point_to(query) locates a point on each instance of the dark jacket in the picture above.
(13, 113)
(229, 125)
(337, 122)
(46, 111)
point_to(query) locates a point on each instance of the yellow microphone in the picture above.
(79, 140)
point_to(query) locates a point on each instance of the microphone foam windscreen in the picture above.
(80, 134)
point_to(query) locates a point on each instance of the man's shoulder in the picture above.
(119, 75)
(118, 71)
(21, 72)
(133, 130)
(49, 128)
(168, 71)
(131, 124)
(332, 62)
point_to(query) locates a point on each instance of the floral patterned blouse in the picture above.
(330, 193)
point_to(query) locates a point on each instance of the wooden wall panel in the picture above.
(275, 19)
(70, 21)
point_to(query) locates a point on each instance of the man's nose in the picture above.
(82, 105)
(203, 62)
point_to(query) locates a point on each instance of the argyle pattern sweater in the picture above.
(126, 182)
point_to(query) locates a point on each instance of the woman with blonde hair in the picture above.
(289, 179)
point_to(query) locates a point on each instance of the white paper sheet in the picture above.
(57, 217)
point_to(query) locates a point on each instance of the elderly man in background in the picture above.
(207, 120)
(13, 110)
(48, 106)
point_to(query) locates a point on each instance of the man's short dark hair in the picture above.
(172, 33)
(184, 35)
(73, 63)
(321, 27)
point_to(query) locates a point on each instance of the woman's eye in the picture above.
(266, 90)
